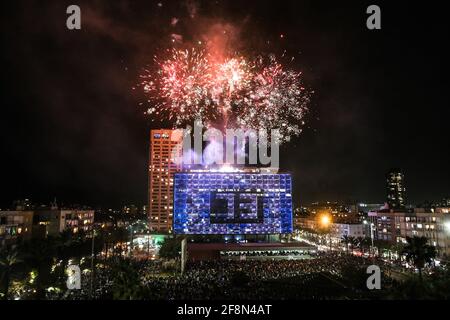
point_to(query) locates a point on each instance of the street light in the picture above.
(325, 222)
(91, 289)
(131, 239)
(371, 232)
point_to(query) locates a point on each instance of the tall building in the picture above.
(164, 144)
(395, 189)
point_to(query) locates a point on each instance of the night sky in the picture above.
(72, 128)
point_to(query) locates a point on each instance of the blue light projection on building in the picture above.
(232, 203)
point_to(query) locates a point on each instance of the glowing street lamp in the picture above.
(325, 220)
(325, 223)
(371, 232)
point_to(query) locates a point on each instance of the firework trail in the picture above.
(255, 94)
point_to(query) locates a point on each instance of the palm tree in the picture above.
(362, 243)
(8, 259)
(419, 252)
(126, 280)
(368, 244)
(346, 240)
(352, 242)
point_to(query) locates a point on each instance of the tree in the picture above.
(126, 280)
(349, 242)
(120, 236)
(68, 245)
(364, 243)
(397, 249)
(381, 246)
(345, 240)
(113, 236)
(170, 248)
(39, 256)
(419, 252)
(9, 257)
(353, 242)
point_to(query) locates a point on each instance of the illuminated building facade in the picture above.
(434, 224)
(54, 221)
(28, 224)
(395, 189)
(163, 145)
(232, 203)
(15, 225)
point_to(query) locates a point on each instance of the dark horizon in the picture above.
(72, 127)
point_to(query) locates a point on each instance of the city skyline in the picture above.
(224, 157)
(72, 126)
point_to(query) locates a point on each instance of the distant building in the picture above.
(365, 208)
(355, 230)
(54, 221)
(395, 189)
(444, 203)
(23, 204)
(15, 225)
(308, 223)
(130, 210)
(39, 223)
(162, 166)
(344, 213)
(336, 230)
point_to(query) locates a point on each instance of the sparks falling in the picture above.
(248, 94)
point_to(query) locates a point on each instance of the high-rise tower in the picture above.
(395, 189)
(164, 147)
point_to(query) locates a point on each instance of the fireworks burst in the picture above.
(276, 99)
(258, 94)
(178, 88)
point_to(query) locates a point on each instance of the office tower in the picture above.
(395, 189)
(164, 147)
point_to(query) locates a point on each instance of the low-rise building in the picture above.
(355, 230)
(15, 225)
(40, 223)
(54, 221)
(335, 232)
(340, 212)
(395, 226)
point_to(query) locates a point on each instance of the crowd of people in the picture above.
(320, 276)
(257, 253)
(245, 279)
